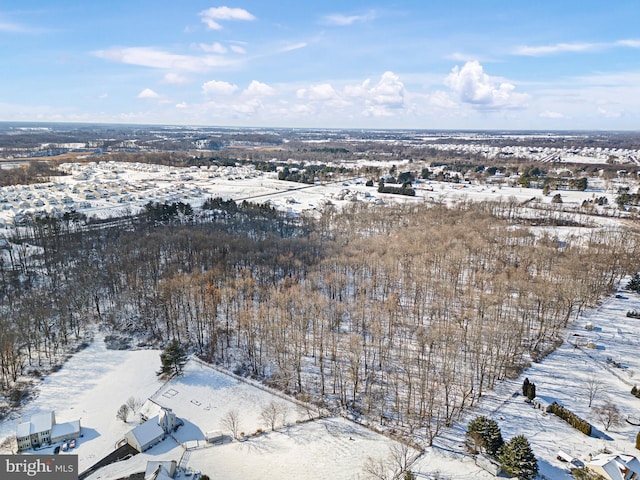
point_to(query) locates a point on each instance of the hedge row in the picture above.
(571, 418)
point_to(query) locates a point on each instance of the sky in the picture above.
(432, 64)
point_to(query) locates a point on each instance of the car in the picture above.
(72, 443)
(65, 446)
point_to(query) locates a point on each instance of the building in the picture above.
(42, 430)
(615, 466)
(153, 430)
(160, 470)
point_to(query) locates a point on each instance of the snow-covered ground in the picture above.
(95, 382)
(563, 377)
(111, 189)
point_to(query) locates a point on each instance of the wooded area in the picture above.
(402, 314)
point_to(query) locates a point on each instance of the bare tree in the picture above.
(231, 421)
(134, 404)
(593, 386)
(123, 413)
(400, 455)
(377, 468)
(609, 414)
(270, 414)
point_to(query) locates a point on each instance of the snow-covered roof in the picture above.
(64, 429)
(160, 470)
(614, 465)
(39, 423)
(148, 431)
(149, 409)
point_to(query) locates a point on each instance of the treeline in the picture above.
(404, 315)
(31, 172)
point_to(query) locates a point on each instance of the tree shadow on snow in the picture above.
(597, 433)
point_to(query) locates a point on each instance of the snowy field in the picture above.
(111, 189)
(96, 381)
(563, 377)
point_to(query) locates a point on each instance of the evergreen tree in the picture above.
(529, 389)
(634, 283)
(173, 359)
(517, 458)
(486, 434)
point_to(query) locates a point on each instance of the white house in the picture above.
(145, 435)
(152, 431)
(160, 470)
(615, 466)
(42, 429)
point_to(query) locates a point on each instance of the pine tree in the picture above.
(173, 359)
(634, 283)
(517, 458)
(525, 386)
(486, 434)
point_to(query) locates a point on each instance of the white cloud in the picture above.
(182, 105)
(12, 28)
(154, 58)
(319, 92)
(293, 46)
(388, 92)
(575, 47)
(471, 85)
(258, 89)
(216, 47)
(629, 43)
(551, 114)
(211, 16)
(148, 93)
(557, 48)
(238, 49)
(175, 79)
(215, 87)
(342, 20)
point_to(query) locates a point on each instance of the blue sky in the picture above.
(405, 64)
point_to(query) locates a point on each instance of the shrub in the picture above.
(635, 391)
(571, 418)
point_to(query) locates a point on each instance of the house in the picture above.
(149, 410)
(145, 435)
(153, 430)
(160, 470)
(42, 429)
(615, 466)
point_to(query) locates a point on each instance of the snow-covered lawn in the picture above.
(563, 377)
(95, 382)
(91, 386)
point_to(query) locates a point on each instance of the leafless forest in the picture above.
(402, 315)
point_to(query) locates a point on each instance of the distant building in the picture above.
(42, 429)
